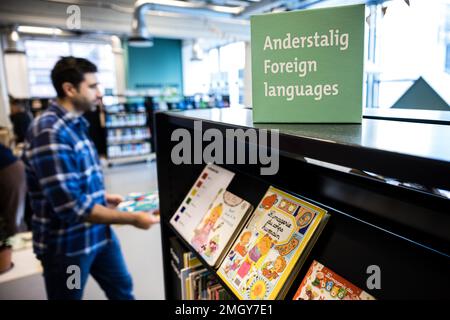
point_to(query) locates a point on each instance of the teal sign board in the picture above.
(307, 66)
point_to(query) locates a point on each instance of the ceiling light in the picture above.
(140, 42)
(39, 30)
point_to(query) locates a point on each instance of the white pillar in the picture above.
(4, 103)
(16, 68)
(119, 65)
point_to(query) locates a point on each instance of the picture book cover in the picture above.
(212, 237)
(134, 202)
(265, 253)
(212, 180)
(321, 283)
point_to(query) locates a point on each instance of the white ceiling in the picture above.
(97, 17)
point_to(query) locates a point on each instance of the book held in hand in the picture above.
(135, 202)
(269, 251)
(321, 283)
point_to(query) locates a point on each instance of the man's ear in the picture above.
(69, 89)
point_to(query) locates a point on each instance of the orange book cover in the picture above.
(321, 283)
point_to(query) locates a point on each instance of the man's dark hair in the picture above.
(72, 70)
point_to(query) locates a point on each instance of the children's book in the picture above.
(215, 232)
(185, 281)
(271, 248)
(212, 182)
(194, 283)
(321, 283)
(134, 202)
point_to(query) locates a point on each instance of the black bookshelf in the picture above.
(402, 230)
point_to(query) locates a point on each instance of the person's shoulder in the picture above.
(48, 126)
(48, 121)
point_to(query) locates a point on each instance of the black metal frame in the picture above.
(403, 231)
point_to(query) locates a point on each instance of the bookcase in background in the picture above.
(129, 122)
(128, 134)
(401, 229)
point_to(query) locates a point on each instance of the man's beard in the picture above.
(83, 105)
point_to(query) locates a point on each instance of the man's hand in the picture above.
(113, 200)
(144, 220)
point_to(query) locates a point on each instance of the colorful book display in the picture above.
(321, 283)
(269, 251)
(257, 254)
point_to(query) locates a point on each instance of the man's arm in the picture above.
(103, 215)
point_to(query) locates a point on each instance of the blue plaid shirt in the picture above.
(65, 181)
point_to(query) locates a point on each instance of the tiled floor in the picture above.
(142, 249)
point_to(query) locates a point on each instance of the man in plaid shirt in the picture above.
(71, 211)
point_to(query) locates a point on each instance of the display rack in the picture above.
(402, 230)
(127, 133)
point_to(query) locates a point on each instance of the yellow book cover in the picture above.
(188, 288)
(268, 248)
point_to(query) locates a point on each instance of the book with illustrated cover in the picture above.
(214, 234)
(212, 181)
(321, 283)
(134, 202)
(186, 281)
(270, 250)
(195, 277)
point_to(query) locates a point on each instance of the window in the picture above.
(447, 39)
(231, 63)
(43, 54)
(411, 69)
(220, 72)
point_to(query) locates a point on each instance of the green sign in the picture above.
(307, 66)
